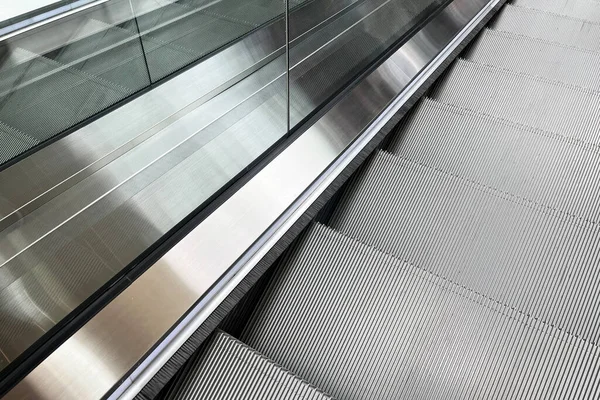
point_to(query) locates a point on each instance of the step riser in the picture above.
(531, 56)
(538, 261)
(536, 102)
(364, 326)
(539, 166)
(583, 9)
(224, 368)
(551, 27)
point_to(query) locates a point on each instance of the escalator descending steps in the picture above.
(467, 263)
(535, 165)
(543, 25)
(227, 369)
(361, 324)
(531, 56)
(585, 9)
(543, 262)
(531, 100)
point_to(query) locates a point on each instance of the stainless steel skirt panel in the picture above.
(122, 333)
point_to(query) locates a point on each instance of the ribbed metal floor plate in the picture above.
(528, 256)
(547, 26)
(534, 165)
(535, 101)
(363, 325)
(227, 369)
(584, 9)
(536, 57)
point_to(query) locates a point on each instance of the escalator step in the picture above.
(538, 102)
(584, 9)
(13, 143)
(19, 74)
(63, 99)
(363, 325)
(540, 166)
(538, 260)
(227, 369)
(547, 26)
(535, 57)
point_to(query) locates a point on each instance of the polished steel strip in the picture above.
(241, 231)
(195, 121)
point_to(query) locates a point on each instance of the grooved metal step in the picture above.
(363, 325)
(227, 369)
(13, 143)
(532, 164)
(547, 26)
(536, 57)
(58, 102)
(538, 102)
(584, 9)
(529, 256)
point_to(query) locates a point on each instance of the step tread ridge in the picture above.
(222, 360)
(391, 330)
(467, 233)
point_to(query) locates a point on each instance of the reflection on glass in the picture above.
(176, 34)
(60, 74)
(333, 54)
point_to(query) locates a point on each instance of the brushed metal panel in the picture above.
(31, 182)
(98, 356)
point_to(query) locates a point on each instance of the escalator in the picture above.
(461, 260)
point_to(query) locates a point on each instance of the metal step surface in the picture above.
(13, 143)
(533, 258)
(227, 369)
(584, 9)
(64, 99)
(536, 57)
(534, 101)
(538, 166)
(547, 26)
(363, 325)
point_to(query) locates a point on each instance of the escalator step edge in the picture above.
(361, 324)
(226, 369)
